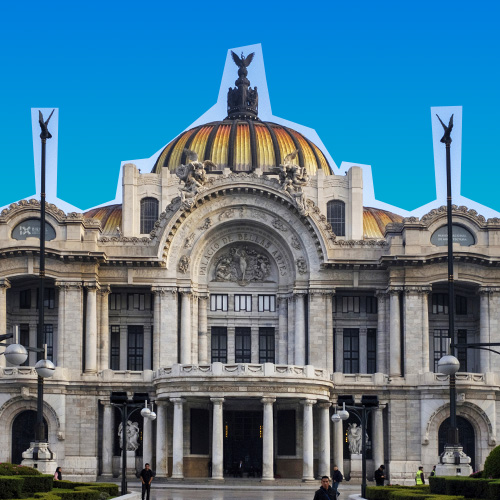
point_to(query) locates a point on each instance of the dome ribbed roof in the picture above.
(243, 145)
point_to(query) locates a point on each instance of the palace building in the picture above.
(243, 288)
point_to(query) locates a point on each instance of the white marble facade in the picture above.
(242, 304)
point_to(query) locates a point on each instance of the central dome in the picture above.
(242, 142)
(243, 145)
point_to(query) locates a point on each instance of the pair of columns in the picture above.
(218, 439)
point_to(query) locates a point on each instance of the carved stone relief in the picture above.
(184, 264)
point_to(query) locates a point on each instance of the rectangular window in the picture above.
(243, 345)
(266, 345)
(350, 304)
(135, 348)
(462, 352)
(286, 432)
(114, 363)
(138, 301)
(219, 344)
(351, 350)
(49, 295)
(441, 343)
(439, 303)
(371, 305)
(48, 338)
(371, 350)
(460, 305)
(24, 338)
(25, 299)
(267, 303)
(218, 302)
(115, 301)
(200, 431)
(243, 303)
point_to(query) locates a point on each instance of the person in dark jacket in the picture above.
(326, 491)
(380, 476)
(337, 478)
(146, 476)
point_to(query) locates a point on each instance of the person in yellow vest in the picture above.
(419, 478)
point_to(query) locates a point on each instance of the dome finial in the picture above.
(242, 101)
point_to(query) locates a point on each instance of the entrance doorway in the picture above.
(23, 433)
(243, 442)
(466, 437)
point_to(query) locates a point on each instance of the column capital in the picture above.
(178, 401)
(417, 290)
(324, 405)
(163, 290)
(162, 403)
(105, 290)
(299, 293)
(187, 292)
(283, 297)
(91, 285)
(105, 402)
(381, 294)
(5, 283)
(308, 402)
(69, 284)
(268, 401)
(395, 290)
(321, 291)
(217, 401)
(488, 290)
(203, 296)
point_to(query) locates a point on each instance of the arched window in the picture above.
(149, 214)
(335, 214)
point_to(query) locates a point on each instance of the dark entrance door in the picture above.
(243, 441)
(466, 437)
(23, 433)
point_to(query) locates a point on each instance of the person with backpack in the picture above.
(337, 478)
(325, 492)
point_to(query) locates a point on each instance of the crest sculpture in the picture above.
(292, 179)
(242, 100)
(194, 176)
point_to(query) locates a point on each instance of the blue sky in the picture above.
(126, 79)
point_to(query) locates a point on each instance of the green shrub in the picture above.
(110, 488)
(40, 483)
(493, 490)
(478, 474)
(492, 464)
(80, 493)
(467, 486)
(11, 487)
(437, 485)
(45, 496)
(7, 469)
(378, 492)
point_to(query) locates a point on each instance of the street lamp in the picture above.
(127, 408)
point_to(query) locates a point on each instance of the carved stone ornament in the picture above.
(279, 224)
(189, 240)
(242, 265)
(132, 435)
(206, 225)
(295, 242)
(292, 179)
(301, 265)
(183, 265)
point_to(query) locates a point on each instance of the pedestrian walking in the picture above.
(146, 476)
(58, 474)
(325, 492)
(433, 473)
(419, 478)
(380, 476)
(337, 478)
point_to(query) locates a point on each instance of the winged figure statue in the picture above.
(292, 178)
(44, 134)
(446, 139)
(242, 62)
(193, 174)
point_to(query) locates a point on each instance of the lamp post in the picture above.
(127, 408)
(368, 404)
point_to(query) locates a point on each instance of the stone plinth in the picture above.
(130, 472)
(448, 465)
(39, 456)
(356, 465)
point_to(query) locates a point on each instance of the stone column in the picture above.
(178, 440)
(363, 350)
(104, 328)
(217, 439)
(4, 286)
(107, 439)
(268, 440)
(185, 327)
(203, 358)
(291, 330)
(161, 439)
(91, 328)
(318, 354)
(381, 332)
(395, 333)
(330, 340)
(164, 327)
(308, 441)
(282, 358)
(300, 331)
(426, 353)
(324, 439)
(338, 445)
(147, 441)
(484, 328)
(194, 328)
(61, 308)
(494, 307)
(378, 437)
